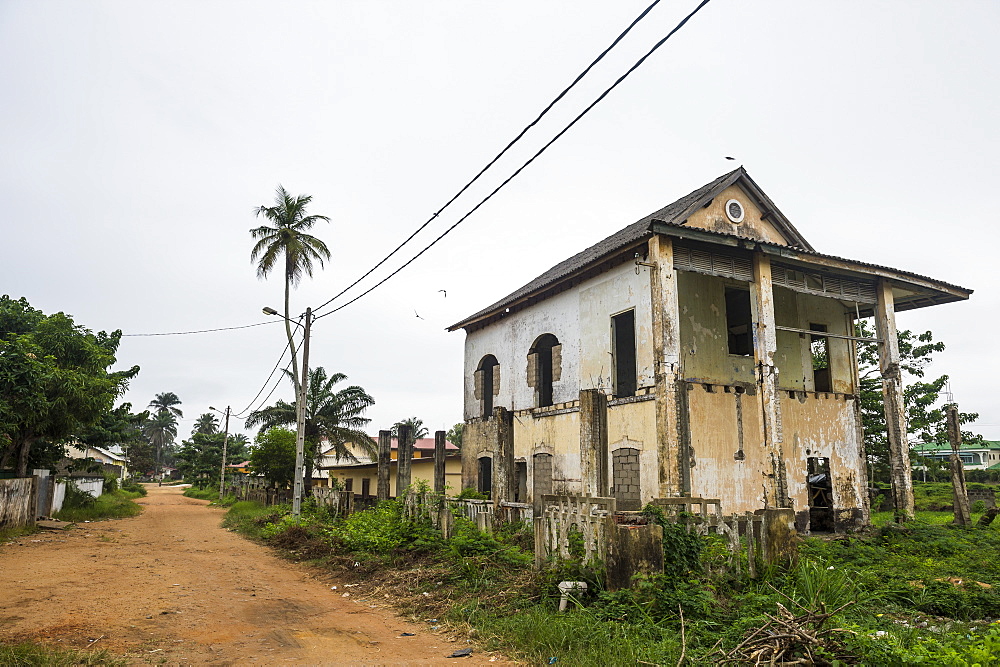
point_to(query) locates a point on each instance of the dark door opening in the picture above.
(820, 490)
(486, 476)
(738, 321)
(520, 482)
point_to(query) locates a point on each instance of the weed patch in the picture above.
(26, 653)
(79, 506)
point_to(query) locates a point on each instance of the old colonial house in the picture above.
(707, 350)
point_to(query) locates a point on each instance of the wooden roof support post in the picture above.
(892, 396)
(668, 380)
(765, 344)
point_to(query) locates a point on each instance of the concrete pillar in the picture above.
(594, 442)
(404, 454)
(892, 397)
(384, 462)
(439, 462)
(765, 344)
(779, 537)
(503, 459)
(667, 378)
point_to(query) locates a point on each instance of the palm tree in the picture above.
(336, 415)
(417, 428)
(286, 235)
(167, 401)
(160, 430)
(207, 424)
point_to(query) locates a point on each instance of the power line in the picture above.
(184, 333)
(583, 113)
(268, 380)
(276, 383)
(500, 154)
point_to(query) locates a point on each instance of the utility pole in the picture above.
(300, 419)
(225, 443)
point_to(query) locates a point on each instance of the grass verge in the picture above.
(921, 593)
(80, 506)
(26, 653)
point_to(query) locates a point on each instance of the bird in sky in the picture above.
(417, 314)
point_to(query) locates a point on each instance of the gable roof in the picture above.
(675, 213)
(674, 216)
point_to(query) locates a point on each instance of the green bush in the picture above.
(378, 530)
(132, 486)
(202, 494)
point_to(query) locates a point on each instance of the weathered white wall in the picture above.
(580, 318)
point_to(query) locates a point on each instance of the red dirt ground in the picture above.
(172, 587)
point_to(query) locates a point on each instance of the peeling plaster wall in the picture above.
(581, 319)
(614, 292)
(825, 426)
(721, 468)
(558, 435)
(713, 218)
(704, 343)
(634, 425)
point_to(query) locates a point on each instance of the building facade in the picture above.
(706, 350)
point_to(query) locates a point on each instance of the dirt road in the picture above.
(171, 586)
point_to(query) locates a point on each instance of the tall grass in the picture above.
(576, 637)
(26, 653)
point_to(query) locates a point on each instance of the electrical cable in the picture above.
(501, 153)
(270, 393)
(183, 333)
(583, 113)
(267, 381)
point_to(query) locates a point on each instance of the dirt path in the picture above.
(171, 586)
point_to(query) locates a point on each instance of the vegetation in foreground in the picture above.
(901, 595)
(26, 653)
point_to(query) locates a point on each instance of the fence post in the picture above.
(503, 462)
(404, 454)
(384, 458)
(439, 454)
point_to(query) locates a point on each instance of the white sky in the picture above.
(137, 137)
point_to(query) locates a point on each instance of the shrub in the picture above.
(132, 486)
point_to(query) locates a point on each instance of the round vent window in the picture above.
(734, 211)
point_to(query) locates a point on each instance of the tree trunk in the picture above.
(23, 447)
(288, 329)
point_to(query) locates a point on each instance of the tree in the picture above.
(455, 434)
(237, 442)
(54, 379)
(286, 236)
(925, 413)
(200, 458)
(273, 456)
(160, 430)
(123, 428)
(334, 415)
(417, 428)
(206, 423)
(168, 401)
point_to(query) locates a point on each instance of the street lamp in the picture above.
(300, 411)
(225, 443)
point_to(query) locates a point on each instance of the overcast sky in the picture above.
(137, 137)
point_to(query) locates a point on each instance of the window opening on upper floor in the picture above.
(623, 352)
(738, 321)
(544, 368)
(819, 347)
(487, 379)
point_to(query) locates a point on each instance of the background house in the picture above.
(361, 476)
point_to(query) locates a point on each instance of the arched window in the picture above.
(485, 481)
(487, 378)
(544, 367)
